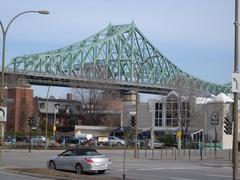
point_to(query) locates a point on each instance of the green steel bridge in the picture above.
(119, 57)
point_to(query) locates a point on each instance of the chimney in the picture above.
(69, 96)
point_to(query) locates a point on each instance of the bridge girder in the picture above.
(117, 53)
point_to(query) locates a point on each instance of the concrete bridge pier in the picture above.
(129, 107)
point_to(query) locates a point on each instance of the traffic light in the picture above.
(30, 121)
(227, 125)
(133, 121)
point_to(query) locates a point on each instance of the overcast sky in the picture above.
(196, 35)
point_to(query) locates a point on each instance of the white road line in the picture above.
(220, 176)
(177, 178)
(155, 169)
(149, 169)
(166, 168)
(119, 170)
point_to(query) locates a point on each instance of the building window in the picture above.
(185, 114)
(42, 105)
(158, 114)
(172, 111)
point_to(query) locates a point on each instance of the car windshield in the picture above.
(88, 152)
(91, 153)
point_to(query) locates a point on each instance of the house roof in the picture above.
(222, 98)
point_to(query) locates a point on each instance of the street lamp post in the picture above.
(56, 107)
(4, 34)
(46, 118)
(235, 94)
(137, 103)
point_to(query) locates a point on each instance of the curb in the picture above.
(36, 175)
(56, 177)
(217, 165)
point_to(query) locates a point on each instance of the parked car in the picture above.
(82, 140)
(38, 139)
(73, 140)
(115, 141)
(9, 140)
(157, 144)
(80, 160)
(140, 142)
(62, 139)
(99, 140)
(21, 139)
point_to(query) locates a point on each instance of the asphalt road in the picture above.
(156, 170)
(151, 168)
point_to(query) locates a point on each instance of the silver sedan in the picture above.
(80, 160)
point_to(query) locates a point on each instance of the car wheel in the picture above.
(119, 144)
(52, 165)
(79, 168)
(101, 171)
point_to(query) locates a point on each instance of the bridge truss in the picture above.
(118, 54)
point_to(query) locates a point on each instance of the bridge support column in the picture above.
(129, 105)
(129, 96)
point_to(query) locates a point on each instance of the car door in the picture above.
(64, 160)
(111, 140)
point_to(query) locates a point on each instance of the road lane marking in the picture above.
(177, 178)
(220, 176)
(167, 168)
(155, 169)
(149, 169)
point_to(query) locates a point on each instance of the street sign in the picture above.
(235, 82)
(214, 118)
(3, 114)
(228, 125)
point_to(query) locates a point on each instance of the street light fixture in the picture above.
(43, 12)
(4, 34)
(137, 103)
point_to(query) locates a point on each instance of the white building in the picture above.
(201, 119)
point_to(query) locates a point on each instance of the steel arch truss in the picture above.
(116, 53)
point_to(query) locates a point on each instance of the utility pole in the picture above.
(30, 124)
(235, 94)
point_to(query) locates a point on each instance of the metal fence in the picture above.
(185, 154)
(144, 153)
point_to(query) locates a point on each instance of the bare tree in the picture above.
(187, 92)
(99, 107)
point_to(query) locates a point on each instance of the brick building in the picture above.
(20, 107)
